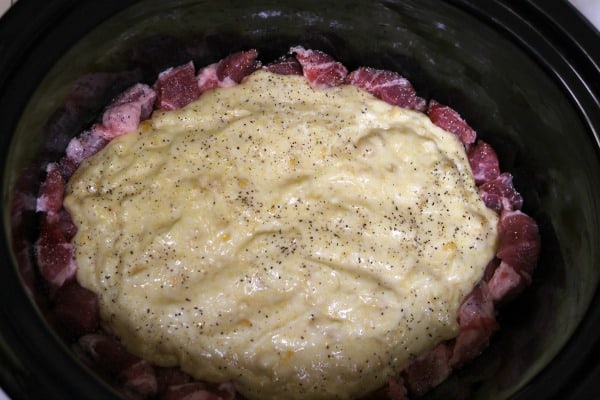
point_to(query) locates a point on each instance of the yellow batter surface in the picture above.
(303, 243)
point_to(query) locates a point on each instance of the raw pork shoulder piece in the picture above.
(55, 254)
(506, 283)
(229, 71)
(320, 69)
(127, 110)
(499, 194)
(484, 162)
(108, 355)
(390, 87)
(285, 66)
(238, 65)
(448, 119)
(81, 147)
(122, 115)
(519, 241)
(519, 251)
(428, 370)
(177, 87)
(195, 391)
(51, 192)
(77, 309)
(477, 321)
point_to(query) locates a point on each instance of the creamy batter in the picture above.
(300, 242)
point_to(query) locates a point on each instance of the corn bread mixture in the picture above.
(299, 242)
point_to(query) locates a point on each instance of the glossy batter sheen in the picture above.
(300, 242)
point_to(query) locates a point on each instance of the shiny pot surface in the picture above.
(524, 74)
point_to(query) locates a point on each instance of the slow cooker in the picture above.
(525, 74)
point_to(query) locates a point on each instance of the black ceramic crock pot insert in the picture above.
(449, 50)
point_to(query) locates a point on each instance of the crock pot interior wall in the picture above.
(447, 54)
